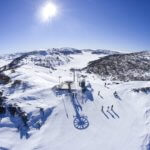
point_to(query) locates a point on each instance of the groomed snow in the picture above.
(128, 132)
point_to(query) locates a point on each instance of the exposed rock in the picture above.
(15, 63)
(4, 79)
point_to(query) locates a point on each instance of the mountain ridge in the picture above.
(131, 66)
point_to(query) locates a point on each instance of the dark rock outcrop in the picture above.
(4, 79)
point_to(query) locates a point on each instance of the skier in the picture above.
(112, 109)
(102, 110)
(99, 94)
(116, 95)
(105, 85)
(110, 112)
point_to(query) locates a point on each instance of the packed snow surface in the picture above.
(125, 127)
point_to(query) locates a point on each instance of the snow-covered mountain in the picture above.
(133, 66)
(101, 51)
(46, 58)
(67, 108)
(107, 52)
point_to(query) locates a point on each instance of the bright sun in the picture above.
(48, 11)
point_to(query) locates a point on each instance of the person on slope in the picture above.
(116, 95)
(99, 94)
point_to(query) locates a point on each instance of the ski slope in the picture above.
(127, 128)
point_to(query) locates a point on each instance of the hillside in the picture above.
(50, 58)
(37, 111)
(44, 58)
(124, 67)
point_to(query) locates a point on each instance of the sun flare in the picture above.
(48, 11)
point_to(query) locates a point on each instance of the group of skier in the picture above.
(115, 95)
(110, 109)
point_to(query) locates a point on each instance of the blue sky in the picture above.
(106, 24)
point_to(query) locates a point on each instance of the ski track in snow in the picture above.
(129, 131)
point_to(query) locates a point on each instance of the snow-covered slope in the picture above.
(101, 51)
(49, 124)
(2, 62)
(107, 52)
(132, 66)
(45, 58)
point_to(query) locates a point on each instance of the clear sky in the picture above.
(106, 24)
